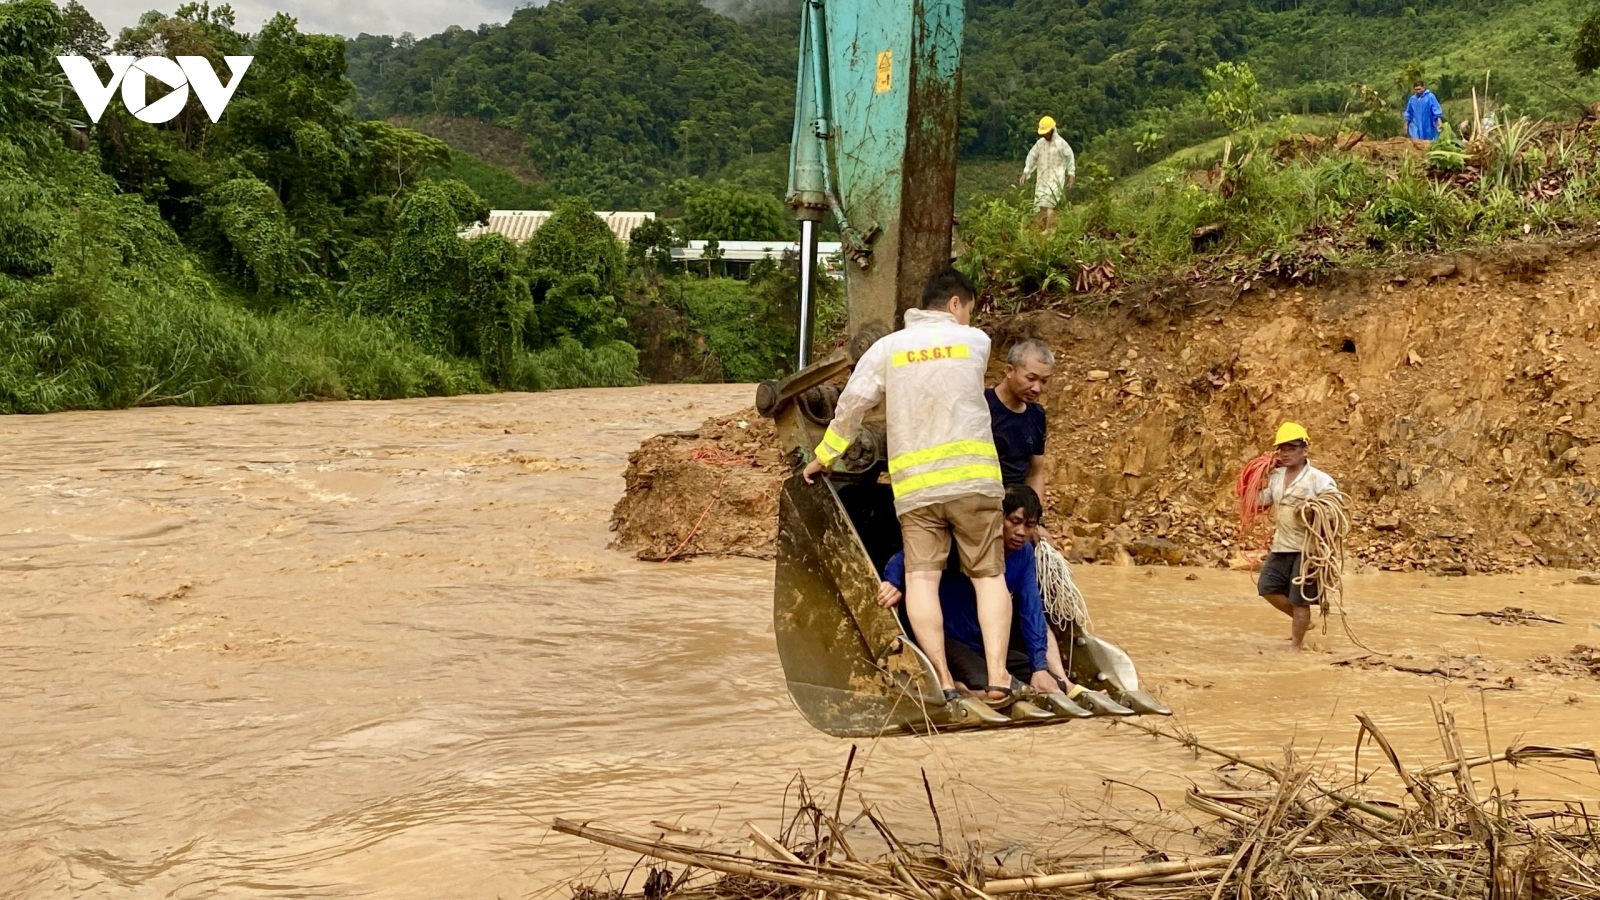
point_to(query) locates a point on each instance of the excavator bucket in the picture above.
(854, 669)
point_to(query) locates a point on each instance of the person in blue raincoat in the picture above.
(1423, 114)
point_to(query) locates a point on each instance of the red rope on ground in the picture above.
(698, 522)
(1248, 489)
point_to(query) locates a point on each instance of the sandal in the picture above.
(1009, 695)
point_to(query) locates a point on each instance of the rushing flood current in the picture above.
(332, 650)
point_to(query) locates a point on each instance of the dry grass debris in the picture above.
(1272, 832)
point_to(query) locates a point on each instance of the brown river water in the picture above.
(373, 649)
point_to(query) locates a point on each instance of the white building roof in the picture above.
(520, 224)
(751, 251)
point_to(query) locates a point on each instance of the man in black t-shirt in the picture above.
(1016, 417)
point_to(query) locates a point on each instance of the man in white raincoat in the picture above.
(1052, 160)
(943, 466)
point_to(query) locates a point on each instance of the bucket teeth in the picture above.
(1058, 701)
(1143, 704)
(967, 710)
(1025, 710)
(1102, 705)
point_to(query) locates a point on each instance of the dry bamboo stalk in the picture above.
(1463, 774)
(771, 844)
(1100, 876)
(1300, 835)
(1213, 808)
(1514, 756)
(1141, 871)
(1181, 877)
(1274, 814)
(1371, 728)
(689, 856)
(1233, 796)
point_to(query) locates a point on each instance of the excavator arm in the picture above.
(874, 149)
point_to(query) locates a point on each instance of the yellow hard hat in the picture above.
(1047, 125)
(1291, 431)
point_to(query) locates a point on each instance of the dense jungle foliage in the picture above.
(290, 251)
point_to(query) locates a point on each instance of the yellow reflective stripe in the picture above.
(929, 354)
(945, 476)
(832, 447)
(943, 451)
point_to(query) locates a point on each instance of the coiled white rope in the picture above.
(1327, 522)
(1322, 562)
(1063, 602)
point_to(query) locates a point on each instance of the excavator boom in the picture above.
(874, 151)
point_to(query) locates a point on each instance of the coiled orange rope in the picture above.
(1252, 481)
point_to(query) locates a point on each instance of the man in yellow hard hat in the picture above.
(1291, 483)
(1052, 160)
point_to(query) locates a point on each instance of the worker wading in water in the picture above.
(1292, 483)
(1056, 168)
(943, 468)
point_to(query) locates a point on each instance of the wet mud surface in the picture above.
(373, 649)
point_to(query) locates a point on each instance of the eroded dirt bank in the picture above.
(1450, 399)
(374, 649)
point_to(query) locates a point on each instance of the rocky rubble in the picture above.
(710, 490)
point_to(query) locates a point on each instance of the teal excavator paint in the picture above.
(876, 100)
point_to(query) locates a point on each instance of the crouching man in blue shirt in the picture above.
(1033, 657)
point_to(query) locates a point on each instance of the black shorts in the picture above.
(968, 667)
(1277, 577)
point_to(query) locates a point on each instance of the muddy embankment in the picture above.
(1451, 399)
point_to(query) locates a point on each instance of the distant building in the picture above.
(520, 224)
(737, 256)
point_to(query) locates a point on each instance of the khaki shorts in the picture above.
(978, 526)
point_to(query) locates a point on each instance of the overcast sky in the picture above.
(346, 17)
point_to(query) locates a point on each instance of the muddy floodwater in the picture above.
(334, 650)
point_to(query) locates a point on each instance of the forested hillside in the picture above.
(619, 97)
(289, 251)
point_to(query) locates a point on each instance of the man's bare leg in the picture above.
(1280, 602)
(994, 618)
(927, 621)
(1299, 621)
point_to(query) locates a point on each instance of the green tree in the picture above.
(727, 213)
(467, 298)
(1234, 96)
(85, 35)
(575, 266)
(1586, 45)
(30, 82)
(650, 245)
(254, 234)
